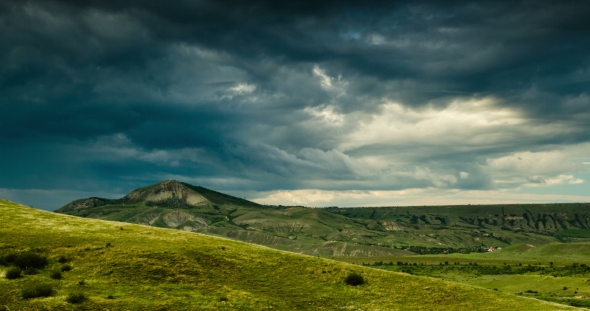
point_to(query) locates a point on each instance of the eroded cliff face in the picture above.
(529, 221)
(545, 219)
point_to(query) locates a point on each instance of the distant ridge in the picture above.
(341, 232)
(169, 194)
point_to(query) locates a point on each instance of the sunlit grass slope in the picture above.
(560, 253)
(148, 268)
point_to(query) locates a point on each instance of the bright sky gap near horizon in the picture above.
(347, 103)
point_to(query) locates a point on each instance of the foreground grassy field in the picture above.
(132, 267)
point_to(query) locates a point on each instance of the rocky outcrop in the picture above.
(169, 193)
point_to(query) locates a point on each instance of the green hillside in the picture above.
(133, 267)
(342, 232)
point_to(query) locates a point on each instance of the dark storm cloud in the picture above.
(263, 94)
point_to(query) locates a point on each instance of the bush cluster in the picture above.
(13, 273)
(56, 275)
(37, 290)
(7, 260)
(30, 271)
(30, 260)
(76, 298)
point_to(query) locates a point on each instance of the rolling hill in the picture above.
(340, 232)
(136, 267)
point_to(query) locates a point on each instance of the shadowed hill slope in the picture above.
(134, 267)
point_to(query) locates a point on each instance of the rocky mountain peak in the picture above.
(169, 193)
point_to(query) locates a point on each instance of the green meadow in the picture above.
(120, 266)
(557, 272)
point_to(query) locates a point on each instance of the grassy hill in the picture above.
(134, 267)
(342, 232)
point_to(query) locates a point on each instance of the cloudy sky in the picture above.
(317, 103)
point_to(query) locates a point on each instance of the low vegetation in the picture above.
(56, 275)
(13, 273)
(75, 298)
(354, 279)
(30, 260)
(36, 290)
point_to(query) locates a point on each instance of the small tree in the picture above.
(354, 279)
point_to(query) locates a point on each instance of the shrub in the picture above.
(354, 279)
(7, 260)
(13, 273)
(76, 298)
(37, 290)
(66, 268)
(62, 259)
(56, 275)
(30, 260)
(10, 258)
(30, 271)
